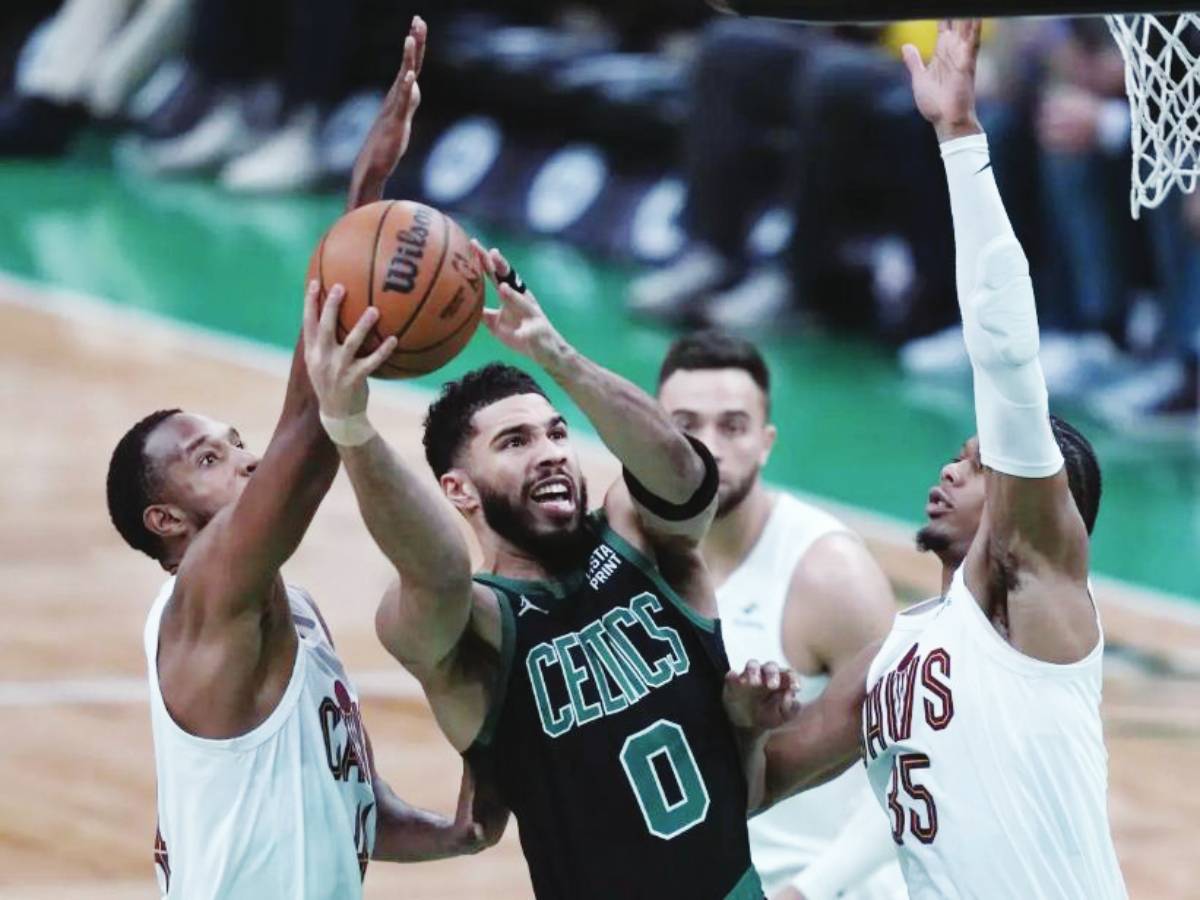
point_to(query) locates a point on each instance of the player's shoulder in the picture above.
(803, 512)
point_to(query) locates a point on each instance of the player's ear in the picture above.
(460, 491)
(770, 432)
(165, 520)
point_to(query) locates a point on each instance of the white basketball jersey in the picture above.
(790, 835)
(284, 811)
(991, 764)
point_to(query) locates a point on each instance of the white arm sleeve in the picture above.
(862, 846)
(995, 295)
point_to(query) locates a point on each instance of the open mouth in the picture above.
(555, 495)
(938, 504)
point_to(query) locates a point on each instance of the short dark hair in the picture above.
(134, 483)
(1083, 469)
(712, 349)
(448, 422)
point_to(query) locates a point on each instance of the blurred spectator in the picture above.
(835, 105)
(88, 58)
(257, 78)
(1083, 134)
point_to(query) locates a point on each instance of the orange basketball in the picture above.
(415, 265)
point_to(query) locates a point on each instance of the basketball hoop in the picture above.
(1162, 78)
(1159, 40)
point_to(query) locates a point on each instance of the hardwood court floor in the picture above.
(77, 809)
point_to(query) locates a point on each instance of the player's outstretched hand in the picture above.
(944, 88)
(762, 698)
(338, 375)
(520, 323)
(387, 141)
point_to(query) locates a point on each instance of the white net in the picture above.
(1162, 77)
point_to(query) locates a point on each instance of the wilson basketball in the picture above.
(415, 265)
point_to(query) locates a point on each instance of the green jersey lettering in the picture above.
(576, 676)
(642, 605)
(554, 722)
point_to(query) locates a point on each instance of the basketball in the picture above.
(415, 265)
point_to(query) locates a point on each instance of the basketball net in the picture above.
(1162, 78)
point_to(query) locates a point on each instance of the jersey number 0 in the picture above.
(669, 810)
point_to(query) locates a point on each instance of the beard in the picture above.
(931, 540)
(559, 550)
(737, 494)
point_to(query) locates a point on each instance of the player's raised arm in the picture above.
(1031, 522)
(387, 141)
(237, 556)
(422, 621)
(671, 478)
(241, 556)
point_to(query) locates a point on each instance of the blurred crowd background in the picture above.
(802, 189)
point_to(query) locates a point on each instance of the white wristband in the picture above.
(352, 431)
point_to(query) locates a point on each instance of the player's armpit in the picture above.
(1036, 521)
(237, 556)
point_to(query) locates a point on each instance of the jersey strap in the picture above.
(508, 646)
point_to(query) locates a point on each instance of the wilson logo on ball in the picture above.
(410, 248)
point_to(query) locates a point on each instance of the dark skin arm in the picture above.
(227, 643)
(787, 748)
(1030, 557)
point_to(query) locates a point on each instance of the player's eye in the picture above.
(558, 434)
(207, 459)
(515, 440)
(684, 423)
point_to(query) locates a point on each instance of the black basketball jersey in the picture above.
(608, 740)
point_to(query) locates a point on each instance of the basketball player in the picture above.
(581, 669)
(266, 786)
(793, 585)
(981, 723)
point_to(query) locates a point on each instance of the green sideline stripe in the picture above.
(850, 428)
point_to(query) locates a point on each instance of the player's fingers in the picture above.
(912, 60)
(310, 312)
(789, 681)
(414, 100)
(499, 262)
(373, 360)
(789, 706)
(770, 674)
(410, 56)
(420, 33)
(485, 260)
(358, 334)
(491, 320)
(327, 326)
(510, 296)
(752, 675)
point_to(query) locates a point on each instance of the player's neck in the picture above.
(732, 537)
(502, 557)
